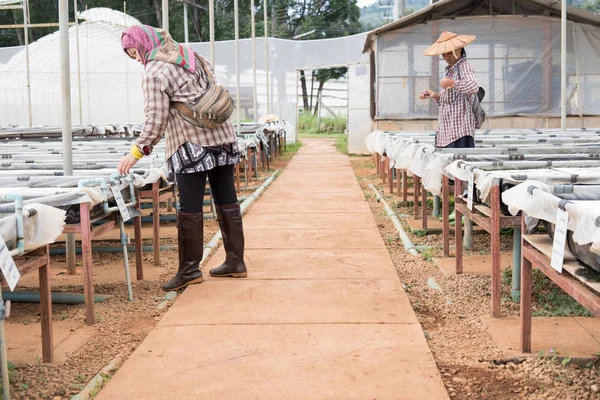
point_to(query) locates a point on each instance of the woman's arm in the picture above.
(468, 82)
(157, 113)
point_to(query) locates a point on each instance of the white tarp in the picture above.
(584, 216)
(38, 230)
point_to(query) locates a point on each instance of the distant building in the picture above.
(516, 58)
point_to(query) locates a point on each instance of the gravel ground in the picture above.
(121, 326)
(471, 365)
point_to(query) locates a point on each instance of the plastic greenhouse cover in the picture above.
(38, 230)
(100, 148)
(428, 162)
(589, 174)
(540, 203)
(110, 74)
(62, 191)
(25, 174)
(386, 143)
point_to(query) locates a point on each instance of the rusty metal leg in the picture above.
(378, 163)
(446, 215)
(46, 309)
(156, 223)
(404, 186)
(391, 180)
(415, 197)
(423, 206)
(279, 146)
(137, 233)
(88, 271)
(398, 181)
(526, 268)
(495, 225)
(250, 166)
(458, 228)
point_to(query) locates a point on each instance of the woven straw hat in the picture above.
(447, 42)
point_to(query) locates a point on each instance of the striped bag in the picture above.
(214, 107)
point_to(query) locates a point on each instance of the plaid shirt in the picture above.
(456, 118)
(166, 82)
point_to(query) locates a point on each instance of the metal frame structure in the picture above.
(489, 218)
(537, 254)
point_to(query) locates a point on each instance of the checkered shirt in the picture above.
(456, 118)
(164, 83)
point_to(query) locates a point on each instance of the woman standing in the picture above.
(456, 120)
(175, 74)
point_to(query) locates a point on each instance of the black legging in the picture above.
(191, 188)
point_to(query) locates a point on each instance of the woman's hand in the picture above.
(447, 83)
(125, 164)
(428, 94)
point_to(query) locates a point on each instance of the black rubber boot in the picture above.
(232, 230)
(190, 232)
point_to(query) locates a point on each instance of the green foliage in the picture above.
(335, 124)
(286, 18)
(427, 254)
(332, 18)
(308, 123)
(592, 6)
(549, 299)
(323, 75)
(341, 144)
(373, 16)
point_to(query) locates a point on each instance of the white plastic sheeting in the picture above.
(410, 151)
(516, 60)
(359, 107)
(111, 82)
(584, 216)
(484, 179)
(38, 230)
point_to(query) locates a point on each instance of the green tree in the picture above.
(592, 6)
(322, 76)
(286, 18)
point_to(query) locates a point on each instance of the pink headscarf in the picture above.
(156, 44)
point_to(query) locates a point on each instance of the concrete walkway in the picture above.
(322, 314)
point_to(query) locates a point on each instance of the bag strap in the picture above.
(186, 112)
(479, 88)
(204, 70)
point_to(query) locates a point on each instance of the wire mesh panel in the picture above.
(516, 60)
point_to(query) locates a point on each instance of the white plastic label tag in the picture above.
(560, 238)
(470, 188)
(120, 203)
(9, 268)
